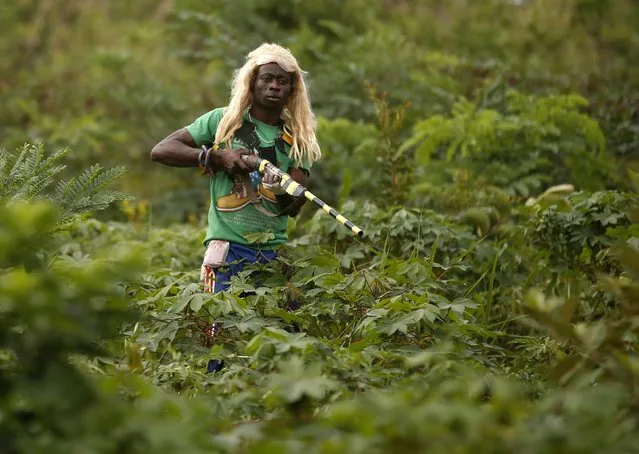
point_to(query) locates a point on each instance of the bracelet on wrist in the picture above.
(201, 158)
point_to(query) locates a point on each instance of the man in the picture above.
(270, 114)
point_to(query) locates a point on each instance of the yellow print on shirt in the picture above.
(239, 198)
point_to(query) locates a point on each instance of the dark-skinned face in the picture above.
(272, 86)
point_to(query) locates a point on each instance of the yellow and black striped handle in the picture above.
(295, 189)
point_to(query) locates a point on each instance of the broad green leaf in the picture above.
(196, 302)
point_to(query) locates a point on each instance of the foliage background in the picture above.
(486, 310)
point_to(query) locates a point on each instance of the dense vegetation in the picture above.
(489, 150)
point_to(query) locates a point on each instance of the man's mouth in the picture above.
(272, 98)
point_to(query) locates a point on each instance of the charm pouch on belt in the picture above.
(216, 253)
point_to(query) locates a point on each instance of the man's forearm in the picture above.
(175, 154)
(176, 150)
(291, 206)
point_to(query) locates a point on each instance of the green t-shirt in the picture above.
(232, 215)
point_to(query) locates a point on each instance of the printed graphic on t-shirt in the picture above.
(239, 197)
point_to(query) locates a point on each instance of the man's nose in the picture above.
(274, 86)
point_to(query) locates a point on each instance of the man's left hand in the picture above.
(272, 182)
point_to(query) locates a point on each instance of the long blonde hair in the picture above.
(299, 120)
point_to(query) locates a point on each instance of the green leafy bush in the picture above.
(579, 230)
(59, 326)
(529, 143)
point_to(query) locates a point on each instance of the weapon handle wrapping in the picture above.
(294, 188)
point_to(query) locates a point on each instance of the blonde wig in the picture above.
(299, 120)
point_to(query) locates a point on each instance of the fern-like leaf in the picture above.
(87, 191)
(4, 162)
(31, 173)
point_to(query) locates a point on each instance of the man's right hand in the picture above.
(228, 160)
